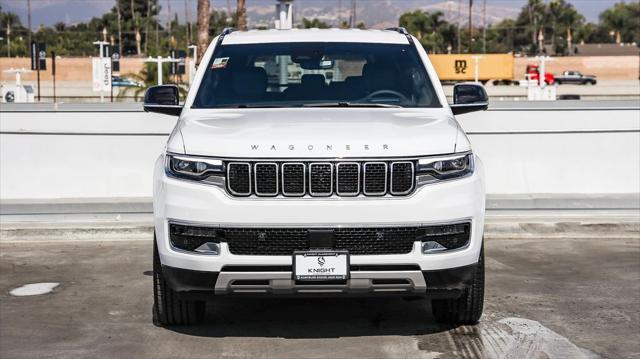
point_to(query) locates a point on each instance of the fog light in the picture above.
(431, 247)
(209, 248)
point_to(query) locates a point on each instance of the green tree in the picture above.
(593, 33)
(565, 20)
(434, 33)
(15, 35)
(218, 20)
(135, 17)
(623, 21)
(529, 23)
(501, 36)
(314, 23)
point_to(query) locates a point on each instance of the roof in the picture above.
(315, 35)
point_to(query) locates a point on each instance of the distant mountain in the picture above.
(374, 13)
(382, 13)
(49, 12)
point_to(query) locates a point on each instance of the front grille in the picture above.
(320, 179)
(284, 241)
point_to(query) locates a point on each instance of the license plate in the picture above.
(321, 265)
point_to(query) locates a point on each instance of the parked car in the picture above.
(118, 81)
(356, 180)
(575, 77)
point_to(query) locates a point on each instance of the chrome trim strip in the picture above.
(320, 194)
(304, 179)
(255, 179)
(347, 194)
(229, 186)
(319, 225)
(281, 282)
(413, 178)
(386, 174)
(327, 158)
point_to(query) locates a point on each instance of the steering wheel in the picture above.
(397, 94)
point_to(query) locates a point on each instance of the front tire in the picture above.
(168, 307)
(467, 309)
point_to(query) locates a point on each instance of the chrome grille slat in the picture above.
(321, 179)
(266, 178)
(402, 177)
(348, 178)
(239, 178)
(376, 185)
(294, 179)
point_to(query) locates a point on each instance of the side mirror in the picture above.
(163, 99)
(469, 97)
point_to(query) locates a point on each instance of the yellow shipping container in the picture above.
(462, 67)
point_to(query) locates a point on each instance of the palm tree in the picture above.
(203, 27)
(614, 19)
(242, 15)
(430, 29)
(564, 18)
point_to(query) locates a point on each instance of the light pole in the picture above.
(477, 58)
(160, 61)
(8, 39)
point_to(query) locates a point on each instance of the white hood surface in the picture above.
(316, 132)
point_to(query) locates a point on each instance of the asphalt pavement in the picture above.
(546, 298)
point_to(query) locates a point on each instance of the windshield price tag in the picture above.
(219, 62)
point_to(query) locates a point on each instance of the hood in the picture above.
(317, 132)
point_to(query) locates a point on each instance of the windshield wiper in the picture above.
(349, 104)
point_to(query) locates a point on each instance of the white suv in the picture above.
(316, 163)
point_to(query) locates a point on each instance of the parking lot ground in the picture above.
(546, 298)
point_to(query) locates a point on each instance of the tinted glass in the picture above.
(307, 74)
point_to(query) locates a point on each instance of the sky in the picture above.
(49, 12)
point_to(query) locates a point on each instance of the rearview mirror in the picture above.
(163, 99)
(469, 97)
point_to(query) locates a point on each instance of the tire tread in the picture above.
(168, 308)
(467, 309)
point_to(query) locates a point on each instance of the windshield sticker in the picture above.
(220, 63)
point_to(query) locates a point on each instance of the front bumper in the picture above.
(442, 203)
(444, 283)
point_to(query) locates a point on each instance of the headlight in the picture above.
(443, 168)
(193, 168)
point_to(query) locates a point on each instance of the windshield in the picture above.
(316, 74)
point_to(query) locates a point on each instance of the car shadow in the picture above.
(315, 318)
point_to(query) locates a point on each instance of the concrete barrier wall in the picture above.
(106, 151)
(79, 68)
